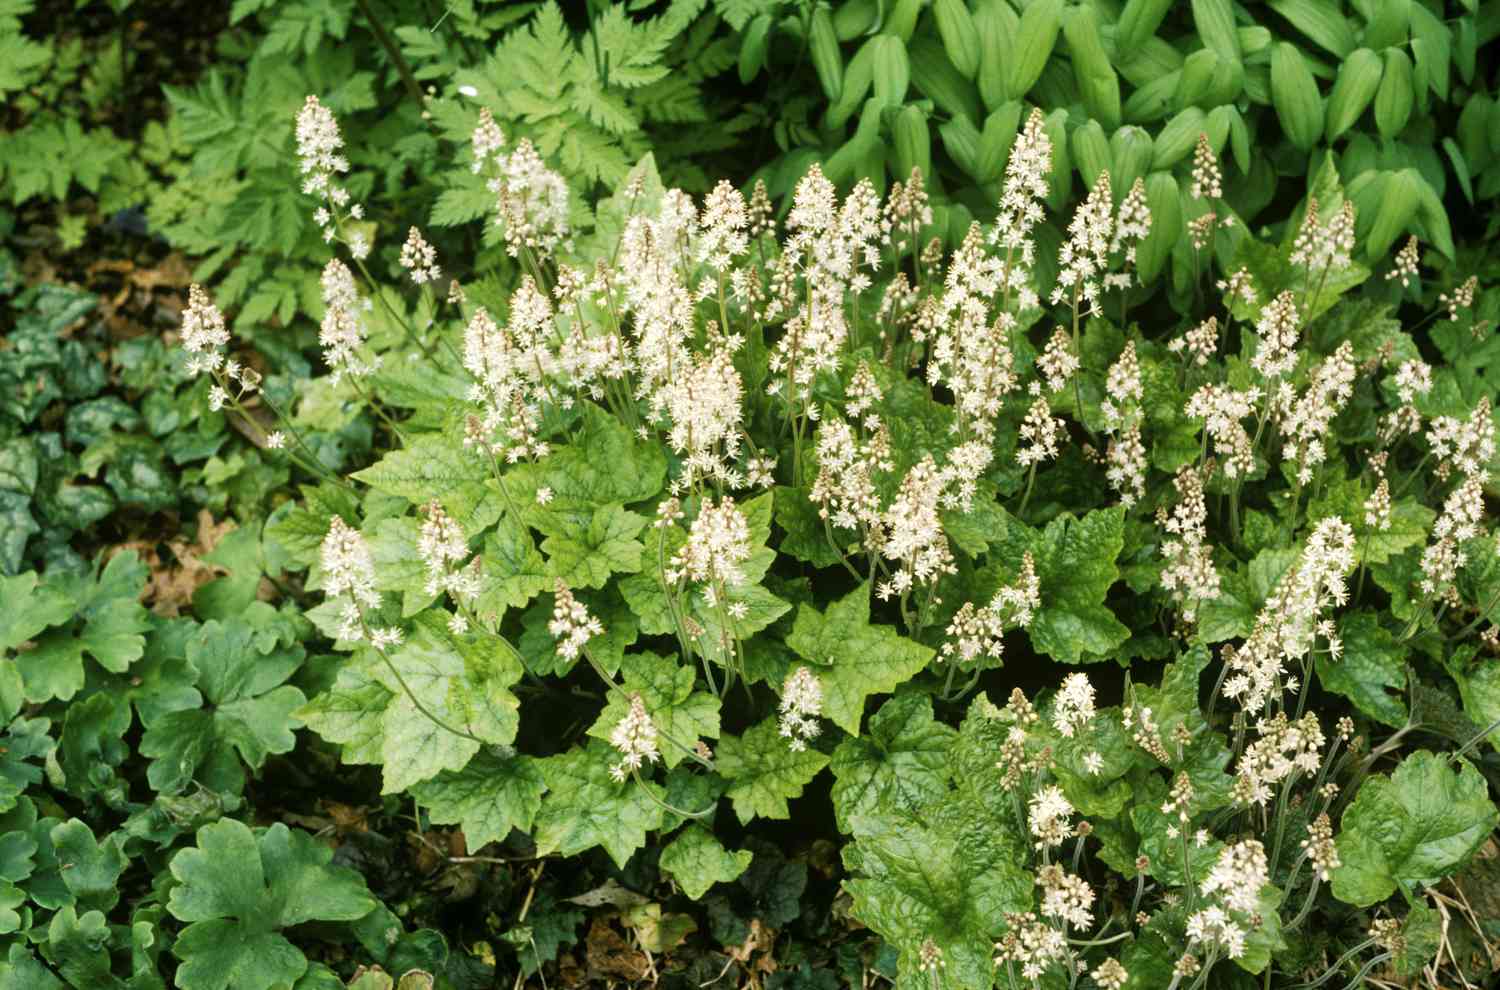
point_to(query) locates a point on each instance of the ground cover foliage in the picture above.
(1028, 527)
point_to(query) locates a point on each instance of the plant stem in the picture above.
(389, 44)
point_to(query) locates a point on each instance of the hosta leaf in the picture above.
(764, 772)
(1411, 829)
(487, 798)
(697, 861)
(586, 807)
(899, 764)
(666, 688)
(237, 889)
(854, 659)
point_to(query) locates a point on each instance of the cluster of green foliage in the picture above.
(156, 766)
(1399, 89)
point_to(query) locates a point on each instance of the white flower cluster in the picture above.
(1278, 328)
(1032, 943)
(319, 148)
(975, 632)
(572, 625)
(635, 738)
(203, 335)
(1221, 409)
(349, 573)
(1282, 749)
(1073, 707)
(845, 489)
(911, 532)
(1237, 879)
(531, 199)
(801, 707)
(1319, 247)
(1292, 620)
(419, 258)
(343, 331)
(1125, 459)
(1305, 419)
(718, 543)
(443, 550)
(1084, 256)
(1199, 343)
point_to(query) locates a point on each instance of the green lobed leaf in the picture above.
(237, 889)
(248, 716)
(586, 807)
(853, 658)
(681, 715)
(487, 798)
(900, 764)
(1372, 661)
(764, 771)
(696, 861)
(1411, 829)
